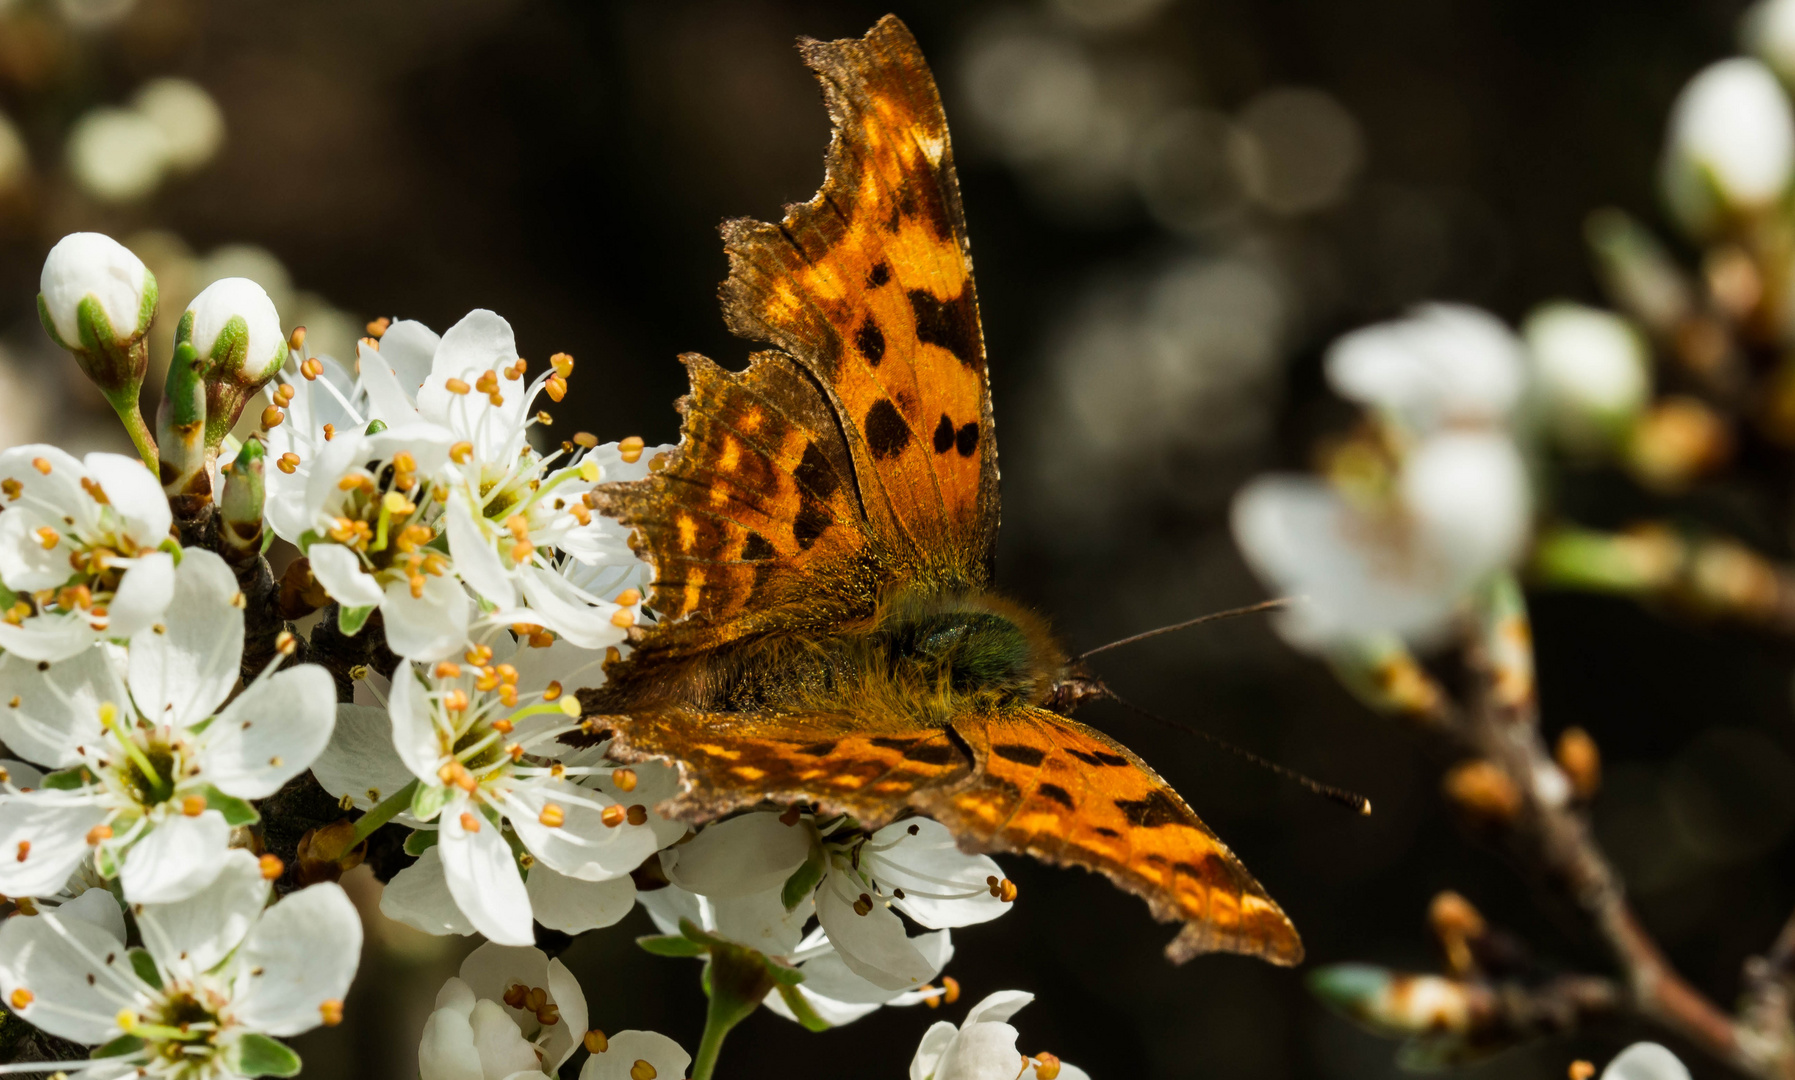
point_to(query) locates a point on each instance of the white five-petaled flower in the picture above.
(216, 977)
(79, 551)
(475, 736)
(913, 866)
(983, 1047)
(511, 1014)
(152, 773)
(1409, 521)
(87, 264)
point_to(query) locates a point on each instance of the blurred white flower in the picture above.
(1731, 144)
(217, 976)
(1768, 30)
(913, 866)
(191, 122)
(79, 550)
(15, 160)
(117, 155)
(1591, 370)
(1645, 1061)
(154, 775)
(1460, 509)
(983, 1047)
(512, 1013)
(1442, 364)
(92, 264)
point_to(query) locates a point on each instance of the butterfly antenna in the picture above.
(1349, 799)
(1250, 609)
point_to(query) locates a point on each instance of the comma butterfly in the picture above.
(822, 540)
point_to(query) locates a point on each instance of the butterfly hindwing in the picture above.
(1018, 779)
(869, 286)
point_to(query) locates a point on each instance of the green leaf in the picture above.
(258, 1055)
(236, 811)
(671, 945)
(145, 966)
(428, 801)
(350, 620)
(805, 879)
(119, 1047)
(800, 1007)
(421, 840)
(69, 779)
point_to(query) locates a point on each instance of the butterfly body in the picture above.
(822, 541)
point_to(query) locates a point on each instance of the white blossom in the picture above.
(983, 1047)
(511, 1013)
(1442, 364)
(1591, 369)
(79, 550)
(152, 773)
(1731, 144)
(476, 737)
(216, 977)
(87, 264)
(625, 1053)
(1645, 1061)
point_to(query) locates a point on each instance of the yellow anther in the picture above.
(595, 1041)
(480, 655)
(950, 989)
(522, 550)
(488, 382)
(637, 814)
(42, 465)
(623, 617)
(516, 753)
(642, 1070)
(580, 513)
(612, 816)
(377, 328)
(1047, 1067)
(625, 779)
(863, 905)
(271, 866)
(296, 340)
(272, 416)
(461, 452)
(503, 727)
(12, 488)
(457, 386)
(631, 448)
(331, 1012)
(556, 387)
(585, 439)
(518, 526)
(469, 823)
(24, 850)
(552, 816)
(98, 835)
(562, 363)
(455, 701)
(629, 597)
(447, 669)
(416, 583)
(48, 537)
(286, 643)
(312, 368)
(193, 805)
(496, 398)
(287, 462)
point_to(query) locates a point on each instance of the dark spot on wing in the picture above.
(1213, 869)
(815, 473)
(950, 324)
(880, 275)
(886, 432)
(1101, 830)
(810, 523)
(1152, 812)
(967, 440)
(871, 342)
(822, 749)
(1098, 758)
(932, 753)
(887, 742)
(1057, 794)
(944, 435)
(1017, 752)
(757, 548)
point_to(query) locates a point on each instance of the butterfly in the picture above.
(822, 542)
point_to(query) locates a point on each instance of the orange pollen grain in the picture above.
(193, 805)
(42, 465)
(311, 369)
(448, 669)
(461, 452)
(287, 463)
(595, 1041)
(552, 816)
(613, 816)
(456, 386)
(631, 449)
(24, 850)
(22, 997)
(271, 866)
(585, 439)
(331, 1012)
(98, 834)
(272, 416)
(469, 822)
(562, 363)
(625, 779)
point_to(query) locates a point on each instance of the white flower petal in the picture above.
(925, 859)
(418, 896)
(58, 707)
(828, 976)
(47, 638)
(560, 607)
(387, 400)
(195, 934)
(582, 846)
(985, 1051)
(456, 996)
(483, 876)
(873, 946)
(1442, 362)
(573, 906)
(446, 1052)
(475, 559)
(62, 964)
(430, 627)
(302, 954)
(501, 1046)
(492, 969)
(753, 853)
(183, 672)
(997, 1007)
(135, 495)
(143, 595)
(1469, 496)
(409, 348)
(564, 990)
(360, 760)
(935, 1042)
(626, 1048)
(176, 858)
(1645, 1061)
(93, 264)
(53, 826)
(413, 731)
(271, 733)
(338, 568)
(99, 907)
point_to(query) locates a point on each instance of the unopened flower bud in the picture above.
(1731, 147)
(244, 493)
(235, 331)
(97, 300)
(1483, 791)
(1396, 1004)
(1593, 370)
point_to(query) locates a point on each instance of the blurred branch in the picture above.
(1656, 563)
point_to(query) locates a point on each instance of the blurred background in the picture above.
(1174, 205)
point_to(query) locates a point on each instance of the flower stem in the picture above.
(131, 416)
(387, 810)
(710, 1044)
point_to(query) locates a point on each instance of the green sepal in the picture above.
(119, 1047)
(69, 779)
(422, 840)
(375, 427)
(350, 620)
(43, 316)
(671, 945)
(800, 1007)
(429, 800)
(105, 861)
(805, 879)
(236, 811)
(145, 966)
(258, 1055)
(7, 597)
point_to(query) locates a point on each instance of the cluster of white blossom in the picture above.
(424, 511)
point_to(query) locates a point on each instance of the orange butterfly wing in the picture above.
(869, 286)
(1020, 780)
